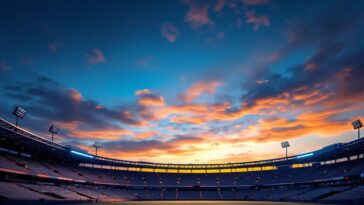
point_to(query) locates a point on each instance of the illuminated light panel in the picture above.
(305, 155)
(81, 154)
(19, 112)
(357, 124)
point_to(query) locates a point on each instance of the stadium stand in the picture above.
(16, 191)
(33, 168)
(355, 193)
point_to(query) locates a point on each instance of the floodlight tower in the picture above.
(285, 144)
(357, 124)
(96, 145)
(53, 130)
(19, 113)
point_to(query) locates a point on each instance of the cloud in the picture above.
(197, 14)
(75, 131)
(262, 81)
(151, 148)
(323, 29)
(146, 135)
(189, 120)
(83, 120)
(320, 94)
(199, 114)
(147, 98)
(143, 92)
(310, 123)
(170, 32)
(258, 21)
(95, 56)
(75, 95)
(200, 88)
(324, 68)
(46, 99)
(296, 99)
(333, 37)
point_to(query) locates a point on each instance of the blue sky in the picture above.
(167, 80)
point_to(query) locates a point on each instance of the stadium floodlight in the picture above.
(53, 130)
(96, 145)
(357, 124)
(19, 113)
(285, 145)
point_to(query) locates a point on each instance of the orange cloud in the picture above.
(188, 119)
(75, 95)
(147, 98)
(202, 113)
(180, 147)
(157, 101)
(305, 124)
(143, 92)
(74, 131)
(146, 135)
(199, 112)
(154, 146)
(200, 88)
(104, 134)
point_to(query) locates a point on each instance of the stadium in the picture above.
(181, 102)
(36, 169)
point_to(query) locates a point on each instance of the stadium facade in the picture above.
(35, 168)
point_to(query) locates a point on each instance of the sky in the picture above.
(185, 81)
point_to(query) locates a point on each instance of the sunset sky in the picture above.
(185, 81)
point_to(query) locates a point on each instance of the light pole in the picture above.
(96, 145)
(357, 124)
(19, 113)
(285, 144)
(53, 130)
